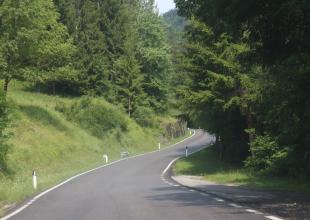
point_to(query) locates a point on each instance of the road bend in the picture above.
(134, 189)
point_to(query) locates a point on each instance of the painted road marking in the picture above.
(82, 174)
(204, 194)
(253, 211)
(273, 218)
(235, 205)
(219, 200)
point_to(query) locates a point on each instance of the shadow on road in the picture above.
(289, 205)
(178, 197)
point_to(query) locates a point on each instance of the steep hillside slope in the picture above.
(56, 146)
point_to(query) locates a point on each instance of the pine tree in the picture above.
(213, 97)
(153, 54)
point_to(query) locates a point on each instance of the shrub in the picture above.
(95, 115)
(267, 157)
(61, 107)
(144, 116)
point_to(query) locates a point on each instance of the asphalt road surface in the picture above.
(134, 189)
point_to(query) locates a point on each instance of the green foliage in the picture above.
(4, 122)
(57, 148)
(99, 30)
(144, 116)
(98, 117)
(251, 58)
(177, 23)
(222, 172)
(123, 54)
(153, 53)
(214, 93)
(267, 156)
(33, 44)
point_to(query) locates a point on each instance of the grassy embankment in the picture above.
(208, 165)
(57, 148)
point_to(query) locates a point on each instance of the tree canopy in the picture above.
(248, 62)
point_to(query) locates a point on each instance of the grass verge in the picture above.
(208, 165)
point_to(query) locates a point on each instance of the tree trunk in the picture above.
(219, 144)
(222, 148)
(217, 139)
(250, 124)
(6, 85)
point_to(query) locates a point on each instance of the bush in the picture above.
(267, 157)
(94, 115)
(61, 107)
(144, 116)
(4, 121)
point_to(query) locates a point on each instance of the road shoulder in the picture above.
(287, 205)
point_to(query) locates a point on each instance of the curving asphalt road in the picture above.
(133, 189)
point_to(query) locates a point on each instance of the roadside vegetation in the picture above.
(83, 78)
(80, 79)
(207, 164)
(245, 69)
(59, 137)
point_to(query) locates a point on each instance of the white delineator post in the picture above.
(158, 146)
(190, 131)
(106, 158)
(186, 151)
(34, 180)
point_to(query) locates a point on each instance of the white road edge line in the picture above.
(82, 174)
(219, 200)
(254, 211)
(235, 205)
(273, 217)
(174, 160)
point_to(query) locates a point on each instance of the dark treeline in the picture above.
(247, 65)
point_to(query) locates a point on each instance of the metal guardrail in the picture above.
(124, 154)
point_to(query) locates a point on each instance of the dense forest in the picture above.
(114, 49)
(239, 69)
(247, 65)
